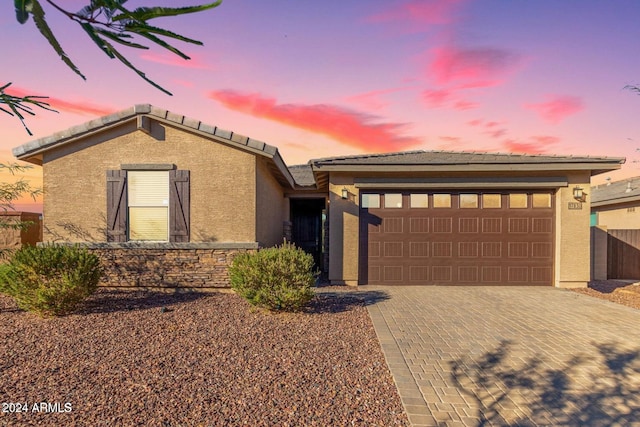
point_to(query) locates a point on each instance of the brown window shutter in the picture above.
(116, 206)
(179, 206)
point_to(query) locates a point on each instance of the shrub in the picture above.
(279, 278)
(50, 280)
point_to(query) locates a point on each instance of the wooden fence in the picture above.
(615, 254)
(623, 254)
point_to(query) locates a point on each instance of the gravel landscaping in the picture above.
(192, 359)
(618, 291)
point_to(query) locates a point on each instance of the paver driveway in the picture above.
(510, 356)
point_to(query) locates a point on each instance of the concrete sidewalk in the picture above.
(469, 356)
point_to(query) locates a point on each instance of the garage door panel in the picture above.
(419, 249)
(450, 245)
(374, 249)
(491, 274)
(518, 225)
(392, 273)
(419, 225)
(468, 225)
(393, 225)
(518, 274)
(542, 225)
(541, 274)
(468, 274)
(393, 250)
(492, 249)
(518, 250)
(468, 249)
(491, 225)
(442, 225)
(442, 273)
(419, 273)
(541, 250)
(374, 274)
(441, 249)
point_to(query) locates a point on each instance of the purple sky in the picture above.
(320, 79)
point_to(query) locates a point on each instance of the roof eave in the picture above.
(595, 168)
(615, 201)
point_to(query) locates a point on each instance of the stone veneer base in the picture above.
(167, 265)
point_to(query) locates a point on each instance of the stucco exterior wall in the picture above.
(270, 212)
(222, 180)
(573, 235)
(621, 217)
(344, 232)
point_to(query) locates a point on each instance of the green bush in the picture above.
(50, 280)
(279, 278)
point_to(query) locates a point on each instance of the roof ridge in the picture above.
(127, 113)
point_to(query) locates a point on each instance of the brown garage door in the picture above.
(445, 238)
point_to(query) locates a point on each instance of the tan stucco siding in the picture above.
(622, 217)
(222, 183)
(270, 207)
(343, 230)
(573, 236)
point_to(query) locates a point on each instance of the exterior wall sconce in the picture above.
(579, 194)
(345, 193)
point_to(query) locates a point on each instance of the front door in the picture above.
(306, 227)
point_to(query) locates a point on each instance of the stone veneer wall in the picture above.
(167, 265)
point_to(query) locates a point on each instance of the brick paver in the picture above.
(468, 356)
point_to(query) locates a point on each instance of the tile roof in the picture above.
(303, 175)
(420, 157)
(61, 137)
(616, 192)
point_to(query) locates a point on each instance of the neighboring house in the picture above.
(167, 201)
(616, 205)
(615, 221)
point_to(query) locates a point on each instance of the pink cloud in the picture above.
(415, 14)
(557, 107)
(475, 122)
(450, 139)
(455, 70)
(176, 61)
(436, 98)
(76, 107)
(470, 68)
(539, 144)
(372, 100)
(465, 105)
(347, 126)
(185, 83)
(498, 133)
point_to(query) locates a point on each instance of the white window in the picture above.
(370, 200)
(148, 198)
(468, 201)
(419, 200)
(393, 200)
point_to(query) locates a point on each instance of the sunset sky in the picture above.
(327, 78)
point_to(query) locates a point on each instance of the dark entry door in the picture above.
(306, 227)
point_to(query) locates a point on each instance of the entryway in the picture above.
(307, 227)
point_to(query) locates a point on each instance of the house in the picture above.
(616, 204)
(167, 200)
(615, 233)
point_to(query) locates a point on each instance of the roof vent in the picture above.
(628, 190)
(608, 180)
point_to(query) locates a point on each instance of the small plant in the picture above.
(50, 280)
(279, 278)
